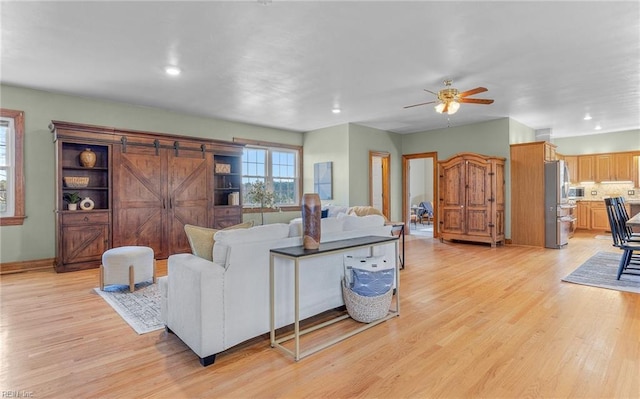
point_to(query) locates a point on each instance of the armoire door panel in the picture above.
(478, 185)
(477, 222)
(452, 221)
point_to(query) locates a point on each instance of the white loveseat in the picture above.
(212, 306)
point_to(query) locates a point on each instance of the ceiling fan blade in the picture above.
(427, 90)
(417, 105)
(472, 91)
(476, 100)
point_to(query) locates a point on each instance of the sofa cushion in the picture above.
(224, 238)
(335, 211)
(364, 211)
(362, 222)
(327, 226)
(201, 238)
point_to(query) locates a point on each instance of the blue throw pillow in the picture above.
(370, 282)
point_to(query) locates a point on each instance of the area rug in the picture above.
(604, 237)
(600, 271)
(141, 308)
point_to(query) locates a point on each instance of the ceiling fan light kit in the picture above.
(449, 99)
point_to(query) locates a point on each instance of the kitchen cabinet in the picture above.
(619, 166)
(572, 165)
(634, 209)
(623, 166)
(604, 166)
(599, 218)
(472, 198)
(549, 152)
(527, 193)
(586, 168)
(583, 211)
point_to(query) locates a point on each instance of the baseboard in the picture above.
(26, 266)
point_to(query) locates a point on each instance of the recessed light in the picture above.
(172, 70)
(587, 117)
(336, 110)
(598, 127)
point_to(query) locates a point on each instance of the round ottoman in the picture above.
(127, 265)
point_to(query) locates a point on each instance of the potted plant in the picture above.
(72, 199)
(257, 193)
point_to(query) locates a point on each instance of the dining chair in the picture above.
(425, 212)
(629, 262)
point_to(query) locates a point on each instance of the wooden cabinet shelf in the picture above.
(82, 235)
(227, 183)
(145, 187)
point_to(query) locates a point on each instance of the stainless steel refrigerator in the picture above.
(558, 211)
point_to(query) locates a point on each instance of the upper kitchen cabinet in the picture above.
(623, 166)
(550, 152)
(572, 164)
(614, 167)
(586, 167)
(604, 165)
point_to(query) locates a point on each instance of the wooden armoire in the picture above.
(144, 186)
(472, 198)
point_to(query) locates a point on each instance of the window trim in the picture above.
(298, 148)
(18, 152)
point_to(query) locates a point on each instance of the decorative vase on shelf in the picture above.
(88, 158)
(311, 217)
(87, 204)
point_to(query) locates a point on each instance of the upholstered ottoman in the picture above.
(127, 265)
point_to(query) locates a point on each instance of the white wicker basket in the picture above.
(366, 309)
(76, 181)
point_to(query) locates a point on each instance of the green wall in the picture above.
(347, 146)
(487, 138)
(362, 140)
(628, 140)
(328, 145)
(35, 239)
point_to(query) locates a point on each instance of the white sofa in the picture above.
(212, 306)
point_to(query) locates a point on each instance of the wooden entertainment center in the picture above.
(144, 187)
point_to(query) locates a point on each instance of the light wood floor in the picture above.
(475, 322)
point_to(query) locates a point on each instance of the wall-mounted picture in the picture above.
(322, 182)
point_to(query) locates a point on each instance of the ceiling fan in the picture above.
(449, 98)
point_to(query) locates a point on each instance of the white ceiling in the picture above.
(287, 64)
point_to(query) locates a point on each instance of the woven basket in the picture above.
(76, 182)
(366, 309)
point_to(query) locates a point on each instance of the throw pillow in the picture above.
(364, 211)
(371, 283)
(201, 238)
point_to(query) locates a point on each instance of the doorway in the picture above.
(379, 181)
(419, 184)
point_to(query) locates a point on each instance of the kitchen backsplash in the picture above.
(599, 191)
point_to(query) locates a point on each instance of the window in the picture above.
(278, 166)
(11, 168)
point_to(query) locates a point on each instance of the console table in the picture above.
(296, 254)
